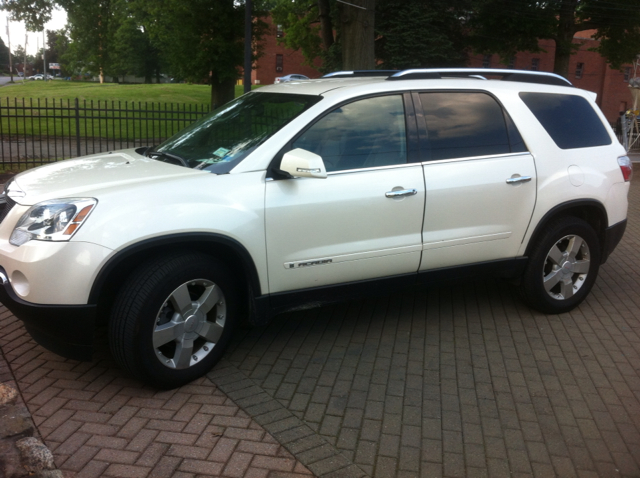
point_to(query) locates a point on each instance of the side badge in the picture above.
(299, 264)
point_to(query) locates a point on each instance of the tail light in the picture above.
(626, 167)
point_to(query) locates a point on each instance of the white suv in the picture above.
(296, 195)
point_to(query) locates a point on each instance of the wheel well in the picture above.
(114, 274)
(593, 213)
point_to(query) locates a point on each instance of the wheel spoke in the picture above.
(551, 279)
(209, 298)
(211, 331)
(165, 333)
(181, 300)
(581, 267)
(566, 288)
(555, 254)
(575, 243)
(182, 357)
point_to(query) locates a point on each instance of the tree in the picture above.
(58, 44)
(506, 27)
(4, 56)
(202, 40)
(310, 24)
(34, 13)
(91, 33)
(420, 33)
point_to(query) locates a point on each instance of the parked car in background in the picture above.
(284, 79)
(39, 76)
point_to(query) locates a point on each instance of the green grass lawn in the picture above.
(159, 93)
(37, 108)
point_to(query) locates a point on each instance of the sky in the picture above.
(17, 31)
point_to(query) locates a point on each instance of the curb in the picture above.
(21, 453)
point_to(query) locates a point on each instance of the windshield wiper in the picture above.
(173, 158)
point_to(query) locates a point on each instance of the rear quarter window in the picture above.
(570, 120)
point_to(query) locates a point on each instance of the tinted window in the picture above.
(365, 134)
(464, 124)
(570, 120)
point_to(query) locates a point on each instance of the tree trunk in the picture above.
(221, 91)
(564, 37)
(357, 35)
(326, 26)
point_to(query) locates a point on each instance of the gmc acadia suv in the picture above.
(303, 193)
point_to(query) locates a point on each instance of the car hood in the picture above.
(85, 176)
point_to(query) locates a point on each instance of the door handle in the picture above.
(401, 193)
(518, 179)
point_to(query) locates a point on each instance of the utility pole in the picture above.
(24, 63)
(44, 53)
(247, 46)
(10, 55)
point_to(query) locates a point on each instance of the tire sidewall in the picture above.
(144, 361)
(533, 287)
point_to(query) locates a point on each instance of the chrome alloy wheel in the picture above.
(566, 267)
(189, 324)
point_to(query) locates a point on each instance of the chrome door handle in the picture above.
(519, 179)
(401, 193)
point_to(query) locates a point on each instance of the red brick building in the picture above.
(587, 70)
(277, 60)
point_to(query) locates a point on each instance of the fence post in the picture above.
(78, 126)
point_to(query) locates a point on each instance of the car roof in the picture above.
(355, 86)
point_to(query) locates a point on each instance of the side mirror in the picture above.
(303, 164)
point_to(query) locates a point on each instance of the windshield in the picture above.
(222, 139)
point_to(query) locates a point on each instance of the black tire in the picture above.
(186, 300)
(562, 267)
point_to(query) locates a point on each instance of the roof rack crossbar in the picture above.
(525, 76)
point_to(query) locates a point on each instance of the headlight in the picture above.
(54, 220)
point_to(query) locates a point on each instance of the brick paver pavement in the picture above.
(97, 422)
(460, 380)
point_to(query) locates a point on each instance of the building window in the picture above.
(279, 62)
(486, 61)
(579, 70)
(627, 74)
(512, 63)
(279, 31)
(535, 64)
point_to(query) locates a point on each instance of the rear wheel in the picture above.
(173, 319)
(562, 267)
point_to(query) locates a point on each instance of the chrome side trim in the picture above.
(3, 278)
(378, 168)
(474, 158)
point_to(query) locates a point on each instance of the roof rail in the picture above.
(525, 76)
(360, 73)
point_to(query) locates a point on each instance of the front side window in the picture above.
(364, 134)
(569, 119)
(466, 124)
(222, 139)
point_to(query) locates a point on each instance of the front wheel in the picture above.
(563, 266)
(173, 319)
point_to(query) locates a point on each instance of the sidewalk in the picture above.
(457, 381)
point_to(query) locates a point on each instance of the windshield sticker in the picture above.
(221, 152)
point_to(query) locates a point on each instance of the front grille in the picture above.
(6, 204)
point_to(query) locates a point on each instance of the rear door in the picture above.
(480, 179)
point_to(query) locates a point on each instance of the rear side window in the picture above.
(465, 124)
(569, 119)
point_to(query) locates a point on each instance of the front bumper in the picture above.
(67, 330)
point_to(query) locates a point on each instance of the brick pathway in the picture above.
(452, 381)
(97, 422)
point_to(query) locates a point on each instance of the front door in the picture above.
(365, 219)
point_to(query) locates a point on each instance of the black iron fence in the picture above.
(35, 131)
